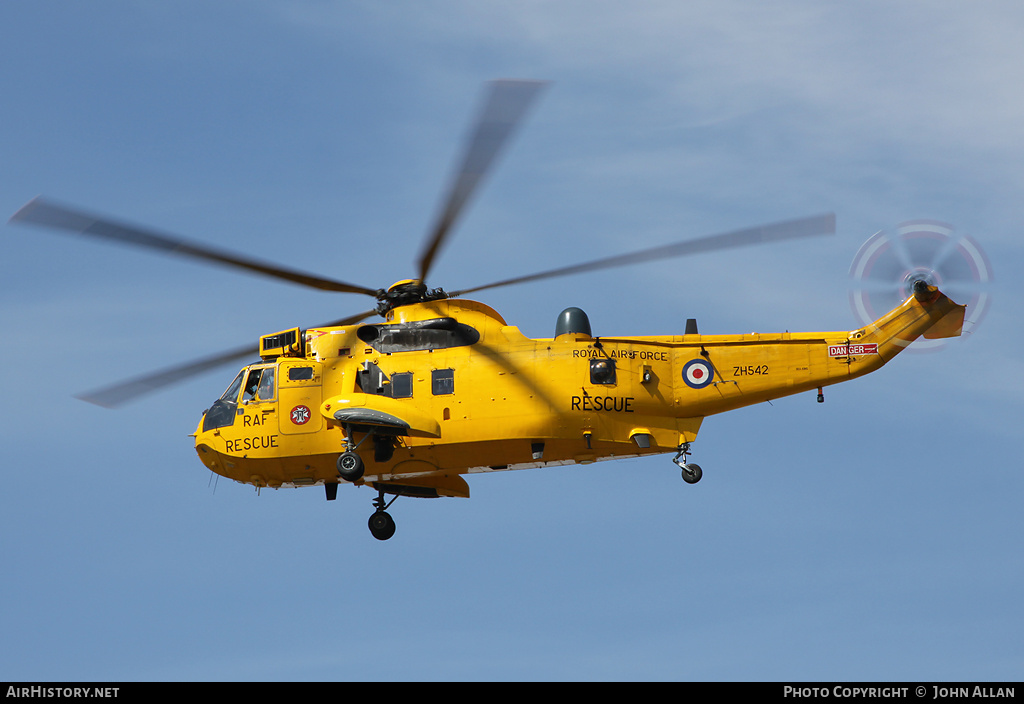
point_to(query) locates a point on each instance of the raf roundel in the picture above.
(698, 373)
(300, 415)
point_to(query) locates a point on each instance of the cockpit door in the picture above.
(299, 391)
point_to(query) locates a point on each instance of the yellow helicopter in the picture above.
(444, 387)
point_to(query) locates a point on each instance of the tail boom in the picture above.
(928, 313)
(754, 368)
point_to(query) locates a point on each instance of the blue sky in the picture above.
(875, 537)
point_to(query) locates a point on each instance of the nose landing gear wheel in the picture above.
(382, 525)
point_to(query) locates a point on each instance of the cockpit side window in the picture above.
(251, 384)
(222, 413)
(265, 392)
(232, 391)
(254, 385)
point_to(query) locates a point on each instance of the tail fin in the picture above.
(928, 313)
(949, 325)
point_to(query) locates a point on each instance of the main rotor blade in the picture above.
(118, 394)
(791, 229)
(125, 391)
(346, 321)
(505, 106)
(48, 214)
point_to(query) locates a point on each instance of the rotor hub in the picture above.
(406, 292)
(921, 273)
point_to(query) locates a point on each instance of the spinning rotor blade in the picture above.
(125, 391)
(41, 212)
(113, 396)
(348, 321)
(791, 229)
(890, 262)
(505, 106)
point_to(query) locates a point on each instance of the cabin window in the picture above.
(300, 373)
(371, 379)
(602, 371)
(442, 382)
(401, 385)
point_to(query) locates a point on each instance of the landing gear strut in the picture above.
(350, 464)
(691, 472)
(381, 524)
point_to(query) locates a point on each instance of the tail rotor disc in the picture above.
(888, 264)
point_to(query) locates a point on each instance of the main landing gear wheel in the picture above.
(350, 466)
(382, 525)
(691, 472)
